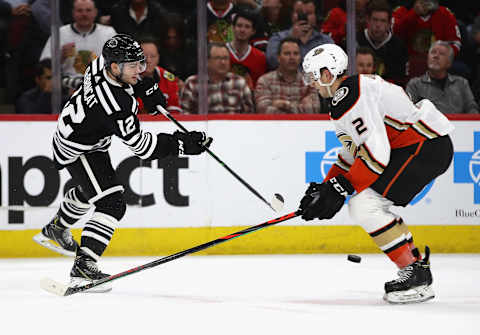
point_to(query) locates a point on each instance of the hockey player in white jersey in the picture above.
(105, 106)
(391, 150)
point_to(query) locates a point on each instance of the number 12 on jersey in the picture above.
(127, 126)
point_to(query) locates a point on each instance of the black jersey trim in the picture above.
(352, 86)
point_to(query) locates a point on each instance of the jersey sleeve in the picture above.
(143, 144)
(361, 129)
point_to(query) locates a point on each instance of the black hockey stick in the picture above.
(277, 201)
(63, 290)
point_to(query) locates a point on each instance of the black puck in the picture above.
(354, 258)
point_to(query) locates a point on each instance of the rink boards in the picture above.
(177, 204)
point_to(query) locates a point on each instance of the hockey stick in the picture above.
(277, 201)
(60, 289)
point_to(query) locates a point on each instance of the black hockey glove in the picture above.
(323, 201)
(148, 90)
(193, 142)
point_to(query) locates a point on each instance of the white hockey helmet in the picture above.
(329, 56)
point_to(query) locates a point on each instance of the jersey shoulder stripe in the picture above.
(345, 97)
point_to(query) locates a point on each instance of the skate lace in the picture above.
(92, 266)
(404, 274)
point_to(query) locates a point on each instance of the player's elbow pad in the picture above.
(166, 146)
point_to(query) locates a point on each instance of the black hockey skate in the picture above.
(64, 242)
(85, 271)
(413, 285)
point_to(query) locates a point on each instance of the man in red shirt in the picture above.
(167, 81)
(422, 25)
(246, 60)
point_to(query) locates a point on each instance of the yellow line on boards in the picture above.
(272, 240)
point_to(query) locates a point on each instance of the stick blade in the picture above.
(278, 202)
(53, 287)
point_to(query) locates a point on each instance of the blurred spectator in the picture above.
(255, 5)
(365, 60)
(167, 82)
(5, 14)
(246, 61)
(227, 92)
(184, 7)
(390, 52)
(104, 8)
(138, 17)
(38, 100)
(449, 93)
(304, 22)
(283, 90)
(334, 23)
(178, 55)
(82, 41)
(28, 31)
(220, 14)
(274, 17)
(425, 23)
(474, 57)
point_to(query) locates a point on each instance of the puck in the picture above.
(354, 258)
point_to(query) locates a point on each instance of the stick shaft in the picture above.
(240, 179)
(73, 290)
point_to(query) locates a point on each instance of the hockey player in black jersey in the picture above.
(105, 106)
(391, 149)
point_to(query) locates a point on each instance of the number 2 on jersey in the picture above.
(76, 113)
(359, 125)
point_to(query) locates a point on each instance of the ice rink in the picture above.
(284, 294)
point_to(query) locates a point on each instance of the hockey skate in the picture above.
(413, 285)
(64, 242)
(85, 271)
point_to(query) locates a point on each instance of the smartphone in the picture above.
(302, 16)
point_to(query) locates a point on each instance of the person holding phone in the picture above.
(304, 23)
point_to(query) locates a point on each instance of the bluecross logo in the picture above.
(466, 167)
(317, 164)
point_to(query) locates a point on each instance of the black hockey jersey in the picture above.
(100, 108)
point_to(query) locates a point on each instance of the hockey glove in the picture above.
(323, 201)
(193, 142)
(151, 96)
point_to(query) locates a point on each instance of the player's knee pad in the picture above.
(113, 205)
(370, 210)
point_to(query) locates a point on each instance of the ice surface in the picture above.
(282, 294)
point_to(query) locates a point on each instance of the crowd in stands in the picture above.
(255, 49)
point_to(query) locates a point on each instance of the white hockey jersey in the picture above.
(372, 117)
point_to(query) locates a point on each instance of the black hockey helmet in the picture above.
(122, 48)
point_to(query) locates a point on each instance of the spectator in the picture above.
(283, 90)
(304, 21)
(5, 15)
(247, 61)
(391, 54)
(167, 82)
(227, 92)
(365, 60)
(334, 23)
(138, 17)
(449, 93)
(82, 41)
(178, 54)
(28, 31)
(273, 17)
(424, 23)
(220, 14)
(38, 99)
(475, 57)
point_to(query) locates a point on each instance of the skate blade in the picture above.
(412, 296)
(76, 282)
(54, 287)
(46, 242)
